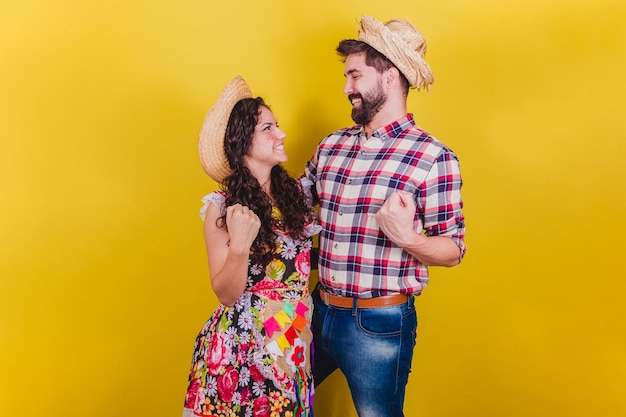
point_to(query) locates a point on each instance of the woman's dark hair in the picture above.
(243, 188)
(373, 58)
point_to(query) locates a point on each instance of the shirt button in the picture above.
(335, 246)
(349, 181)
(332, 278)
(341, 213)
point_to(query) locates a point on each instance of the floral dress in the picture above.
(253, 359)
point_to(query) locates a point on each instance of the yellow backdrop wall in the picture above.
(103, 277)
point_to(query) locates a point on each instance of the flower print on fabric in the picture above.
(219, 355)
(253, 359)
(297, 357)
(226, 383)
(303, 264)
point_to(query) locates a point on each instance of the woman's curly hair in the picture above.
(240, 186)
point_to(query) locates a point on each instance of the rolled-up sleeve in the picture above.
(441, 200)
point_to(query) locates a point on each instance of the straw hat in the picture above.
(211, 141)
(402, 44)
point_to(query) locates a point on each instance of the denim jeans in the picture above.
(373, 347)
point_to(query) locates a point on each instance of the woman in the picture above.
(251, 358)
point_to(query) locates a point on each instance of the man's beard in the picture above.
(371, 103)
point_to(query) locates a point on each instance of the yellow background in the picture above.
(103, 276)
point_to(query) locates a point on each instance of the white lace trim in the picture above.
(312, 229)
(215, 198)
(306, 185)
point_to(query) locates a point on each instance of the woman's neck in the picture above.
(267, 187)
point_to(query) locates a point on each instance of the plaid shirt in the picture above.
(353, 178)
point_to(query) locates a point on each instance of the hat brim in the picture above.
(211, 139)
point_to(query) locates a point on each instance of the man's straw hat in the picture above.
(402, 44)
(211, 141)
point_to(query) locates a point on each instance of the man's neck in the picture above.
(384, 117)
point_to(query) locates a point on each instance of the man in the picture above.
(390, 206)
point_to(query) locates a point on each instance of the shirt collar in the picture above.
(393, 130)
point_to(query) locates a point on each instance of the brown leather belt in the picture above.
(348, 302)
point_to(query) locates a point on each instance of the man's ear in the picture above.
(392, 77)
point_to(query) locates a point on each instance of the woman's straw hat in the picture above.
(402, 44)
(211, 141)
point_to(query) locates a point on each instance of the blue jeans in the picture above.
(373, 347)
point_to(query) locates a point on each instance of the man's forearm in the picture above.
(433, 250)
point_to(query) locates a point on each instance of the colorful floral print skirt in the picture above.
(253, 359)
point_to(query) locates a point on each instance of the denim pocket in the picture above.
(387, 321)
